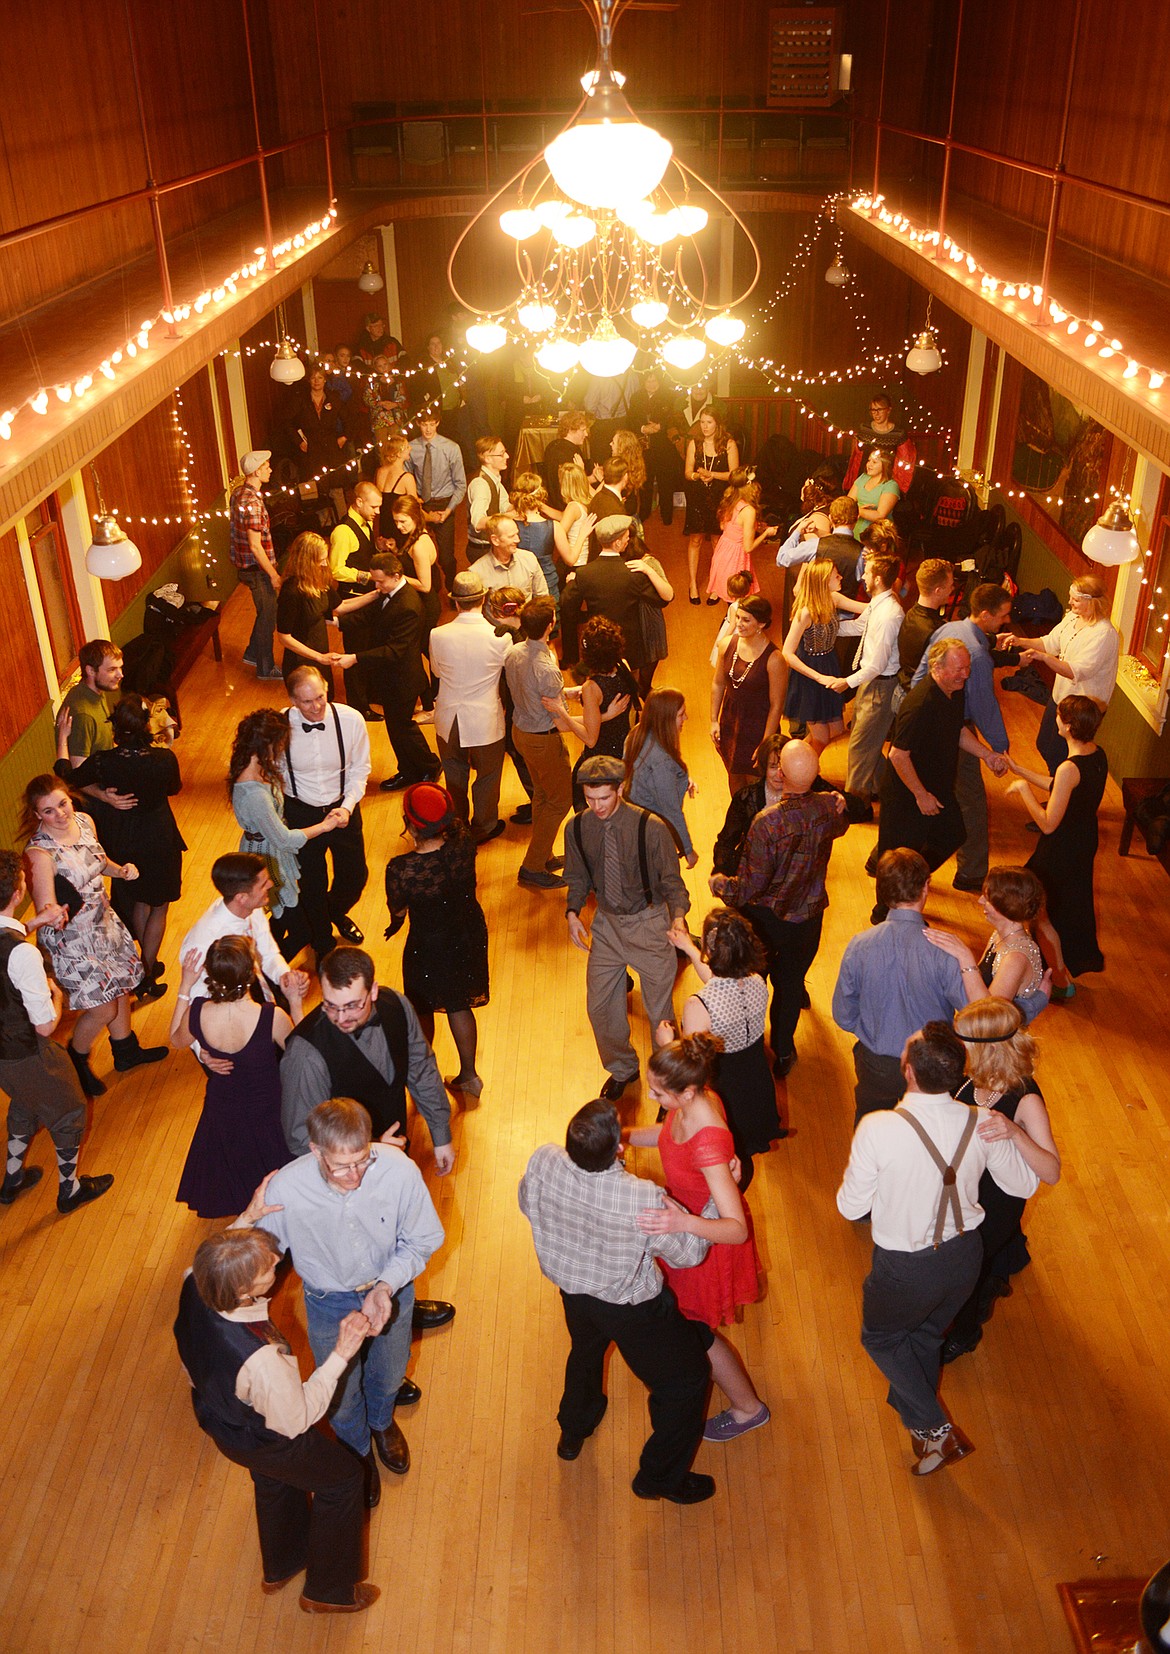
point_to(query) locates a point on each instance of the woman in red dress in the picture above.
(697, 1151)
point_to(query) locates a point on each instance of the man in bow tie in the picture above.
(326, 767)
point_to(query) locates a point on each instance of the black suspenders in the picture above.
(292, 780)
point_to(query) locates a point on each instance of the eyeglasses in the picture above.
(332, 1010)
(355, 1166)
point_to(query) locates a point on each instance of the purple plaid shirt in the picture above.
(786, 856)
(248, 511)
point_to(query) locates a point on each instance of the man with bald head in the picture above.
(352, 548)
(780, 886)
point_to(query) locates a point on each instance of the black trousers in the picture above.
(907, 1303)
(309, 1511)
(355, 635)
(880, 1081)
(397, 696)
(791, 948)
(904, 827)
(662, 1348)
(323, 902)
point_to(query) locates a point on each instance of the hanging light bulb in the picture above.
(607, 355)
(287, 366)
(683, 351)
(551, 212)
(370, 281)
(574, 231)
(607, 155)
(923, 356)
(838, 272)
(486, 336)
(690, 219)
(537, 316)
(725, 329)
(558, 355)
(1112, 540)
(657, 227)
(113, 554)
(632, 212)
(520, 223)
(649, 312)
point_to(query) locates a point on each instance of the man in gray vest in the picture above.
(34, 1070)
(486, 494)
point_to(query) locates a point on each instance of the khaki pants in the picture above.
(621, 943)
(872, 718)
(552, 791)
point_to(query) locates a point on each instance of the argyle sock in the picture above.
(67, 1171)
(14, 1165)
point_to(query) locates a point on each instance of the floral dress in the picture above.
(93, 956)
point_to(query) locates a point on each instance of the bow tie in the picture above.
(307, 727)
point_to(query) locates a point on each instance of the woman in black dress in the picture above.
(420, 565)
(445, 961)
(147, 835)
(712, 456)
(608, 694)
(1063, 860)
(1000, 1057)
(305, 600)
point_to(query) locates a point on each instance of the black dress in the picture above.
(148, 835)
(238, 1139)
(611, 737)
(445, 961)
(301, 614)
(703, 497)
(1063, 862)
(1005, 1246)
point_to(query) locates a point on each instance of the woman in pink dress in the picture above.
(703, 1199)
(737, 519)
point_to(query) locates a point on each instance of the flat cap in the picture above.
(601, 771)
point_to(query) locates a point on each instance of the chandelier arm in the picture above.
(467, 229)
(711, 190)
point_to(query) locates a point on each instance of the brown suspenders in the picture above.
(950, 1194)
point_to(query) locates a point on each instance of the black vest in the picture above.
(499, 502)
(351, 1074)
(213, 1351)
(18, 1037)
(364, 535)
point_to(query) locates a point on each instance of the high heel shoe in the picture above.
(1068, 992)
(471, 1084)
(712, 600)
(695, 600)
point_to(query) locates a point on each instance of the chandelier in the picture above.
(603, 229)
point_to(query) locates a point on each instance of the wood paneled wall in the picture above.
(24, 691)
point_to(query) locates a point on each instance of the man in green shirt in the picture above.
(90, 706)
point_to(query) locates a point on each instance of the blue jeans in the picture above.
(259, 648)
(364, 1400)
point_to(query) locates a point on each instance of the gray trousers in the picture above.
(488, 763)
(907, 1303)
(880, 1081)
(873, 715)
(44, 1091)
(620, 943)
(971, 798)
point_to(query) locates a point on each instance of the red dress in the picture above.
(729, 1275)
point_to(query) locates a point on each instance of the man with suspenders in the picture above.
(926, 1247)
(352, 548)
(326, 767)
(628, 859)
(486, 494)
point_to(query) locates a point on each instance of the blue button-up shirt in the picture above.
(979, 702)
(384, 1230)
(448, 481)
(893, 981)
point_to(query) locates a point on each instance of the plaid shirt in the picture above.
(586, 1238)
(248, 511)
(786, 856)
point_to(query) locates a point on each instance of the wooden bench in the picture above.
(1133, 792)
(188, 645)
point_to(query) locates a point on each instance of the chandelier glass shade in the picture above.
(287, 367)
(370, 281)
(602, 229)
(1111, 540)
(113, 554)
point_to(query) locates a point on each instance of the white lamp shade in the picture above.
(370, 281)
(551, 212)
(837, 274)
(520, 223)
(1111, 540)
(657, 227)
(631, 213)
(924, 356)
(725, 330)
(690, 219)
(486, 337)
(574, 231)
(537, 316)
(683, 351)
(113, 555)
(558, 356)
(607, 355)
(649, 312)
(605, 163)
(287, 366)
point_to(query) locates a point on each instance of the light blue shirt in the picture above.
(448, 480)
(893, 981)
(979, 702)
(384, 1230)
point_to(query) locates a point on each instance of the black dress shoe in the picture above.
(782, 1066)
(393, 783)
(408, 1393)
(692, 1490)
(373, 1487)
(970, 887)
(493, 832)
(613, 1089)
(523, 816)
(349, 932)
(392, 1448)
(88, 1188)
(13, 1187)
(696, 601)
(569, 1447)
(431, 1312)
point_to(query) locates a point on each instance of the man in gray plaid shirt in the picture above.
(583, 1210)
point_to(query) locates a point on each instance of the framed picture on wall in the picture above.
(1065, 459)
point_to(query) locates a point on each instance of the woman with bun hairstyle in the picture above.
(697, 1151)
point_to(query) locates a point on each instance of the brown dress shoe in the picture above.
(364, 1596)
(934, 1453)
(271, 1586)
(392, 1448)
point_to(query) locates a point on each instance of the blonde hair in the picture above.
(574, 483)
(1090, 586)
(812, 591)
(627, 447)
(1001, 1054)
(307, 564)
(529, 493)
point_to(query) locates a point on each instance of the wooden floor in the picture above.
(122, 1529)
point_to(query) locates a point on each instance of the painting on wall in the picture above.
(1062, 456)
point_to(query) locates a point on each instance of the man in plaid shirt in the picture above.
(583, 1208)
(252, 552)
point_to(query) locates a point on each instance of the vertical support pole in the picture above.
(324, 107)
(310, 309)
(946, 177)
(75, 525)
(40, 623)
(972, 395)
(482, 102)
(390, 276)
(269, 256)
(233, 364)
(160, 246)
(1042, 317)
(877, 135)
(227, 463)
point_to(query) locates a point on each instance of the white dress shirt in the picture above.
(891, 1175)
(219, 920)
(467, 658)
(480, 500)
(26, 972)
(879, 641)
(1092, 652)
(523, 572)
(315, 762)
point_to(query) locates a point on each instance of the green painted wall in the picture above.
(1131, 745)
